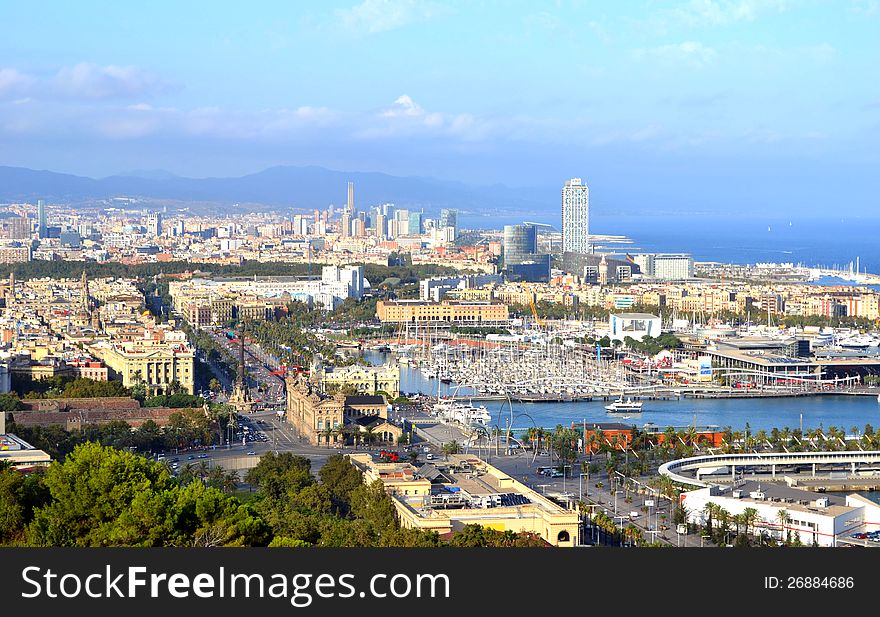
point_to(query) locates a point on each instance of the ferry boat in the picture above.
(627, 406)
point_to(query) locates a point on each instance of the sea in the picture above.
(829, 242)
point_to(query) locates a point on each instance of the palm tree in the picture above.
(450, 447)
(709, 510)
(749, 517)
(326, 434)
(202, 470)
(783, 518)
(369, 435)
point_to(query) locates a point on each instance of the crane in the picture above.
(538, 320)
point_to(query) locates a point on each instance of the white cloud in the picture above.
(722, 12)
(14, 82)
(691, 53)
(82, 81)
(403, 106)
(373, 16)
(91, 81)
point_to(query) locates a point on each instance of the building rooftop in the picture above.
(635, 316)
(786, 497)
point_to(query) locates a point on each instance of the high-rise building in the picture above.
(345, 225)
(449, 218)
(19, 228)
(381, 223)
(350, 203)
(520, 253)
(415, 223)
(154, 224)
(673, 266)
(575, 217)
(42, 223)
(520, 241)
(401, 218)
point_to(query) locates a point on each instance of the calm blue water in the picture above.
(844, 412)
(731, 239)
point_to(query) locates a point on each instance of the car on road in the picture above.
(252, 453)
(203, 456)
(190, 457)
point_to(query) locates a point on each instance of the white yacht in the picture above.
(627, 406)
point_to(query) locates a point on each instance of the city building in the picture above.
(451, 312)
(363, 379)
(519, 243)
(321, 418)
(154, 224)
(575, 217)
(666, 266)
(158, 362)
(434, 288)
(785, 513)
(13, 252)
(449, 220)
(42, 220)
(415, 223)
(464, 490)
(17, 452)
(18, 228)
(633, 325)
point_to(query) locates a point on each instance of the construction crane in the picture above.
(538, 320)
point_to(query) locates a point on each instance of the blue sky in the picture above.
(691, 106)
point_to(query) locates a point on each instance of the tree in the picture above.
(214, 385)
(749, 518)
(10, 402)
(565, 445)
(280, 473)
(341, 478)
(450, 447)
(370, 503)
(19, 495)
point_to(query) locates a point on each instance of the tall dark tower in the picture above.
(84, 292)
(240, 398)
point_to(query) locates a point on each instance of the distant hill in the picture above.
(297, 187)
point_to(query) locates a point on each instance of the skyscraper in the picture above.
(415, 223)
(575, 217)
(449, 218)
(350, 203)
(42, 225)
(19, 228)
(154, 224)
(381, 226)
(345, 225)
(520, 242)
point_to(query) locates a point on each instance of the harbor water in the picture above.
(842, 411)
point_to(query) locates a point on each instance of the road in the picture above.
(260, 366)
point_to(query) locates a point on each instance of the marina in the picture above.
(841, 410)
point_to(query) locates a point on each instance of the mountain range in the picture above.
(276, 187)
